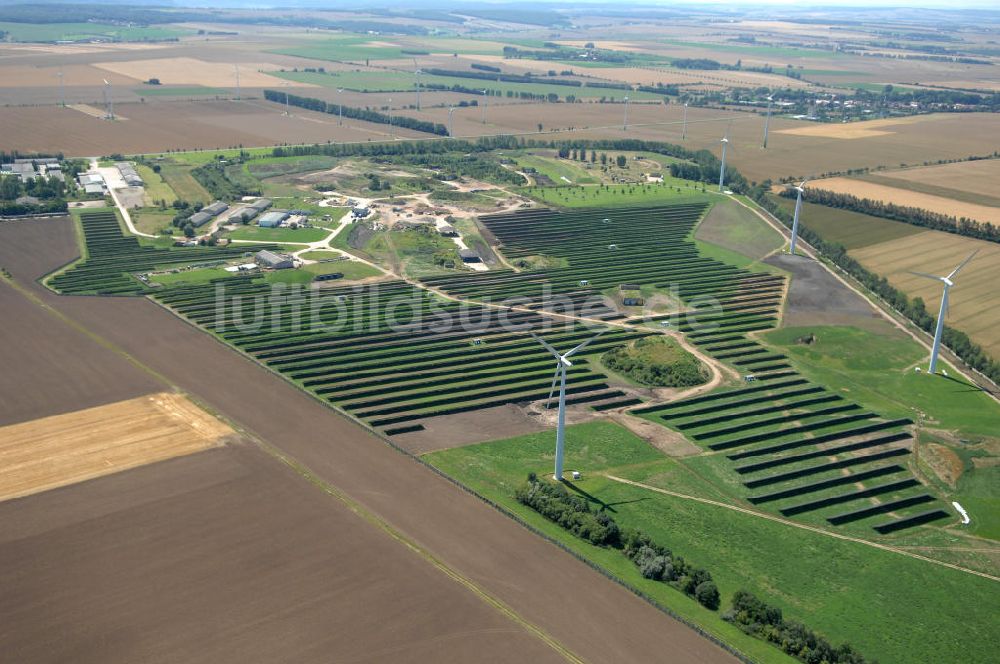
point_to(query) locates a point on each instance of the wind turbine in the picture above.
(800, 189)
(451, 124)
(62, 89)
(416, 73)
(392, 127)
(948, 283)
(722, 169)
(625, 121)
(562, 363)
(486, 104)
(109, 102)
(767, 119)
(684, 130)
(340, 107)
(236, 68)
(287, 112)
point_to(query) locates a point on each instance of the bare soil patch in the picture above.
(449, 431)
(666, 440)
(49, 367)
(946, 464)
(816, 297)
(64, 449)
(854, 130)
(228, 556)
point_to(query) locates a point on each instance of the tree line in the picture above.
(654, 561)
(313, 104)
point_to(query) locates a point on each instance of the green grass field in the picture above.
(879, 601)
(156, 188)
(762, 51)
(48, 32)
(191, 277)
(178, 177)
(877, 371)
(178, 91)
(352, 270)
(851, 229)
(737, 229)
(295, 235)
(612, 195)
(352, 48)
(153, 220)
(556, 169)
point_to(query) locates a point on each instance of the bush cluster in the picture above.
(655, 562)
(629, 360)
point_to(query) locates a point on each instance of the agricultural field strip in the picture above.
(790, 448)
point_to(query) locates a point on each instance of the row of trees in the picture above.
(914, 309)
(655, 562)
(322, 106)
(766, 622)
(908, 215)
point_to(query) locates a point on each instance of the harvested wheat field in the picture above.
(906, 197)
(855, 130)
(975, 299)
(193, 71)
(64, 449)
(978, 177)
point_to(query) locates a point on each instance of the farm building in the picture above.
(90, 181)
(129, 174)
(272, 219)
(275, 261)
(216, 208)
(94, 189)
(260, 205)
(200, 219)
(469, 256)
(447, 230)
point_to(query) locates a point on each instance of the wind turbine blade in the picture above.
(924, 274)
(585, 343)
(547, 345)
(553, 388)
(963, 264)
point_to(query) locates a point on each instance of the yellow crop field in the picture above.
(64, 449)
(975, 299)
(909, 198)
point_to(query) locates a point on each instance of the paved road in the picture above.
(587, 614)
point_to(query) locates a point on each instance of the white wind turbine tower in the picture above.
(722, 168)
(562, 363)
(948, 283)
(62, 89)
(625, 120)
(109, 102)
(236, 68)
(451, 124)
(684, 130)
(416, 74)
(800, 189)
(767, 119)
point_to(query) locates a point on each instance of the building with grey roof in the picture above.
(273, 260)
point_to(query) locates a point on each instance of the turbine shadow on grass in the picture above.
(610, 507)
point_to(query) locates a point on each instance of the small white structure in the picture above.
(576, 474)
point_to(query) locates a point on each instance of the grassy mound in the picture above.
(656, 362)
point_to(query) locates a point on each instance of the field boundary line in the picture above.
(803, 526)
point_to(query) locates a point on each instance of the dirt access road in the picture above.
(540, 585)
